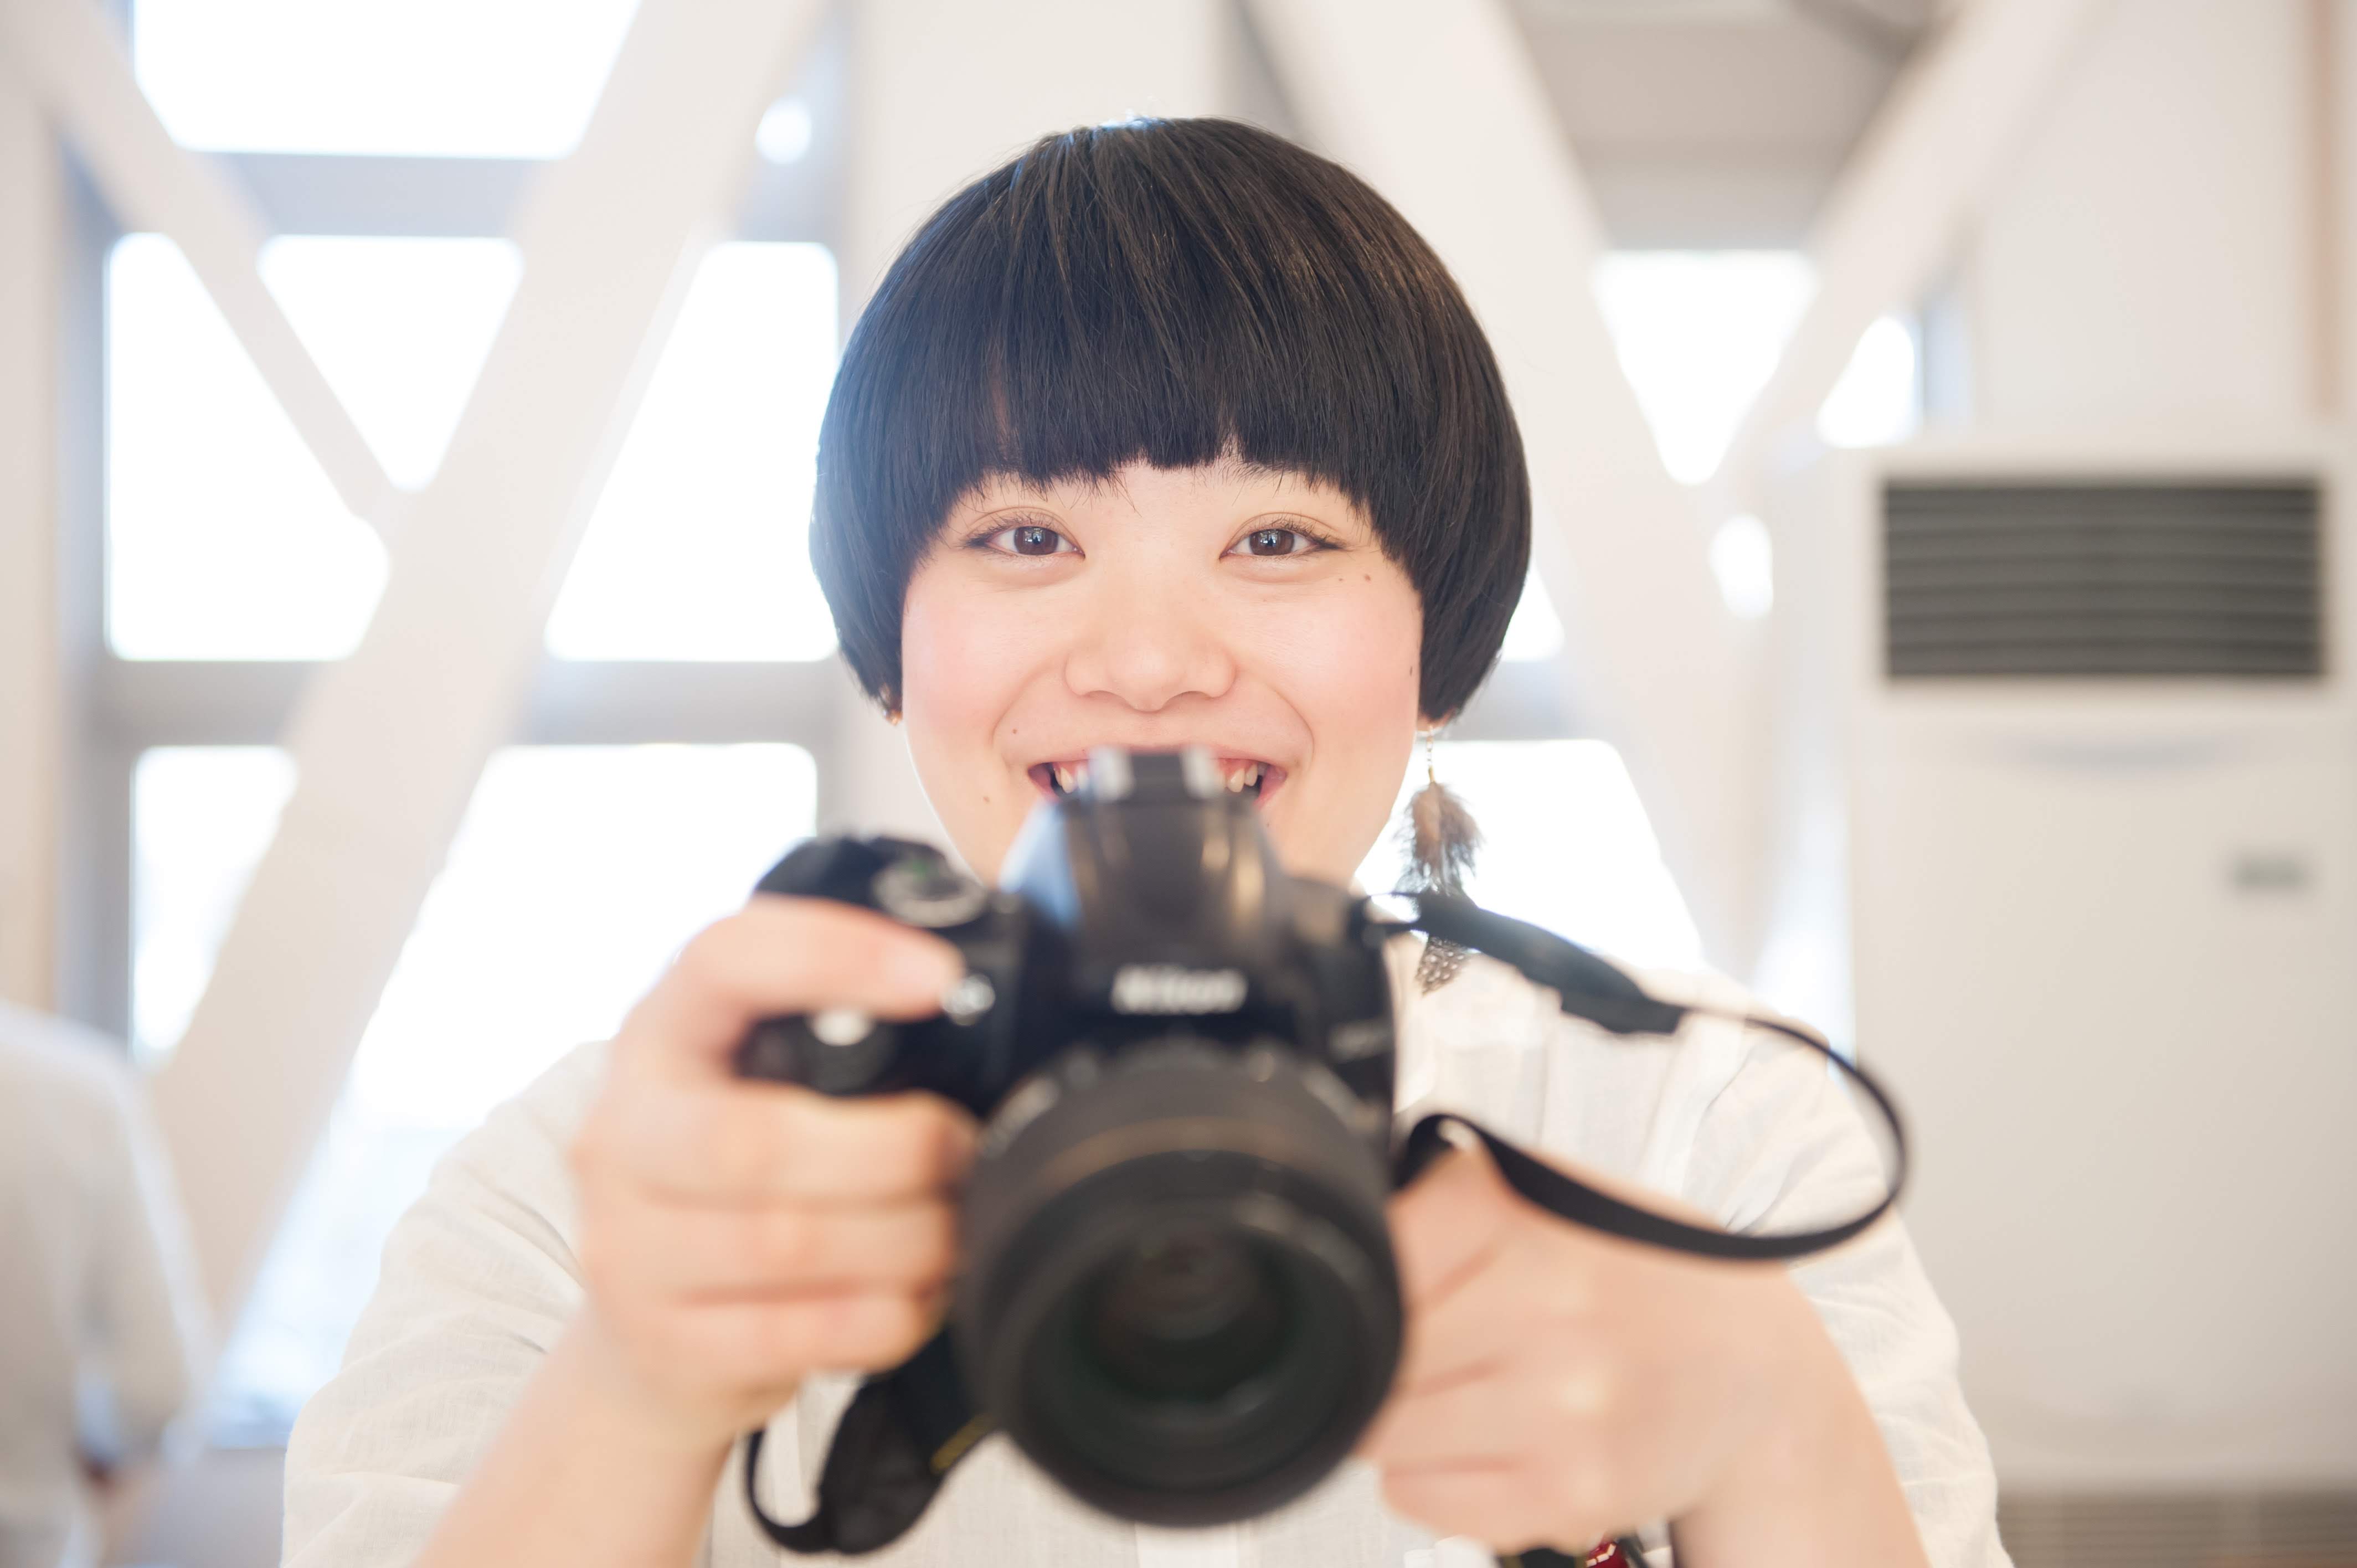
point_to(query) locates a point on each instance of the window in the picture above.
(577, 874)
(1536, 632)
(436, 78)
(201, 816)
(1567, 846)
(674, 747)
(1879, 397)
(1700, 333)
(225, 541)
(699, 548)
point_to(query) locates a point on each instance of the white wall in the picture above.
(31, 758)
(2335, 69)
(944, 89)
(2154, 251)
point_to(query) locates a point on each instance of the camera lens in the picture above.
(1179, 1300)
(1189, 1314)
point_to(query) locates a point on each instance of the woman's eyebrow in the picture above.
(1236, 466)
(1003, 495)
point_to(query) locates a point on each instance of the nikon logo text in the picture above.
(1167, 988)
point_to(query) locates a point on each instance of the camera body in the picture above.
(1145, 903)
(1179, 1295)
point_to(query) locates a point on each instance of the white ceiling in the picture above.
(1717, 123)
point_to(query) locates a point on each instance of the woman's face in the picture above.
(1246, 611)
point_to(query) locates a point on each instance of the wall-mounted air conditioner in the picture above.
(2093, 705)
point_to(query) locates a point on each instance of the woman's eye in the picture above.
(1276, 541)
(1029, 539)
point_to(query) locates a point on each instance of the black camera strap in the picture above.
(883, 1466)
(903, 1431)
(1567, 1198)
(1592, 988)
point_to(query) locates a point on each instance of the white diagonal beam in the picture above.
(1940, 141)
(76, 61)
(1440, 108)
(389, 743)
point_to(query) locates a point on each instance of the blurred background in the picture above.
(1938, 413)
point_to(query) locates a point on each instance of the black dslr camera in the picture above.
(1180, 1297)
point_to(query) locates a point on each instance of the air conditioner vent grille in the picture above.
(2165, 1528)
(2158, 580)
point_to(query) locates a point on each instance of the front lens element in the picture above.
(1191, 1314)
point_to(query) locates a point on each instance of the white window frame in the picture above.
(119, 708)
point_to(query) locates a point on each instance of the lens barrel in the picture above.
(1180, 1299)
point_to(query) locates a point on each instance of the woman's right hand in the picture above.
(737, 1235)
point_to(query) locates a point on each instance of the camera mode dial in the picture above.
(924, 891)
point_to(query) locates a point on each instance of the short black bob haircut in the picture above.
(1174, 291)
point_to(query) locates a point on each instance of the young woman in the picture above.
(1164, 434)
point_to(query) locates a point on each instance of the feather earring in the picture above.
(1440, 839)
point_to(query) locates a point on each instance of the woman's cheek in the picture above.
(963, 659)
(963, 654)
(1355, 670)
(1352, 669)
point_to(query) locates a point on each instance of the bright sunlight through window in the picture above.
(522, 951)
(1700, 332)
(511, 79)
(224, 539)
(1584, 862)
(700, 544)
(1743, 561)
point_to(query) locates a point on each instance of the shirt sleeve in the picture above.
(478, 1281)
(1781, 1146)
(147, 1312)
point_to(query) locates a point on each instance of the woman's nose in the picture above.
(1148, 646)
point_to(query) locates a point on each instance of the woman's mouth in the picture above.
(1244, 775)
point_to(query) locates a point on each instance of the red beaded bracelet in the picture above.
(1607, 1555)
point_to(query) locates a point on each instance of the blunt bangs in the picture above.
(1176, 292)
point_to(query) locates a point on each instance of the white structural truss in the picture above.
(75, 62)
(389, 742)
(1940, 142)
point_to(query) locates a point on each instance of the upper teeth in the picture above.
(1070, 776)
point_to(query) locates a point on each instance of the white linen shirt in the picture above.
(481, 1276)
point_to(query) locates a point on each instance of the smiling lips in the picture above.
(1245, 776)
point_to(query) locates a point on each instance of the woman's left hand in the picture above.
(1560, 1386)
